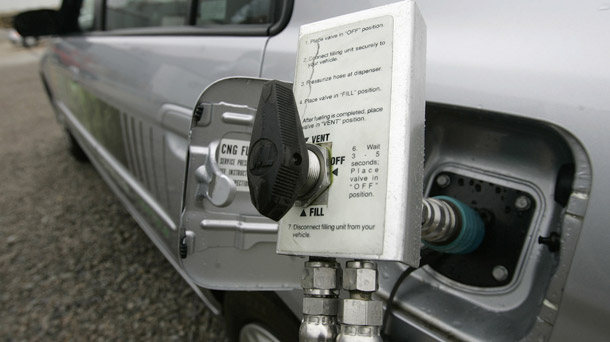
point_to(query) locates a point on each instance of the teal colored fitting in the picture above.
(471, 233)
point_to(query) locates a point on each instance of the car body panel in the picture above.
(134, 82)
(129, 100)
(541, 61)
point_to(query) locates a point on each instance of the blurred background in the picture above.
(8, 8)
(22, 5)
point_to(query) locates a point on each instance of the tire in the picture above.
(259, 317)
(74, 148)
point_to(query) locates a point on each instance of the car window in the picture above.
(145, 13)
(210, 12)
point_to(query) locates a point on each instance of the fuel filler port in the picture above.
(507, 214)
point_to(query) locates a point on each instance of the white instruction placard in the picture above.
(343, 87)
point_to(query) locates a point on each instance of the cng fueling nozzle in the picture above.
(451, 226)
(282, 168)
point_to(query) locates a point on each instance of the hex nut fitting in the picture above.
(320, 306)
(361, 312)
(318, 328)
(363, 279)
(353, 332)
(319, 277)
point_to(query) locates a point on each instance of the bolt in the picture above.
(500, 273)
(523, 203)
(553, 242)
(443, 180)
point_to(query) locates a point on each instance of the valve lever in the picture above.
(278, 162)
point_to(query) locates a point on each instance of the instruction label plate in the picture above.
(343, 87)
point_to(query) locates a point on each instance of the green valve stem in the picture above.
(451, 226)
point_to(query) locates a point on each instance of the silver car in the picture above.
(155, 93)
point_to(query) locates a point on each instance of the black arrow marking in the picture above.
(336, 172)
(303, 213)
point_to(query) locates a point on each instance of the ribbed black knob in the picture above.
(277, 161)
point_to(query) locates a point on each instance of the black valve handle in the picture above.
(278, 160)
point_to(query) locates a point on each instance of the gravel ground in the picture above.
(73, 264)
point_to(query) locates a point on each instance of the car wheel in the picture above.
(259, 317)
(74, 148)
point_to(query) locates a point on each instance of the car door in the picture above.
(128, 86)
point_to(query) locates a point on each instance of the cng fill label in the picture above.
(232, 161)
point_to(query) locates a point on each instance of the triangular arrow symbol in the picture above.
(303, 213)
(336, 172)
(306, 139)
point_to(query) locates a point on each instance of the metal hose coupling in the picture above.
(360, 316)
(320, 281)
(451, 226)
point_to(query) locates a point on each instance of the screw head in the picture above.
(500, 273)
(443, 180)
(523, 203)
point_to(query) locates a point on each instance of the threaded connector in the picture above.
(451, 226)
